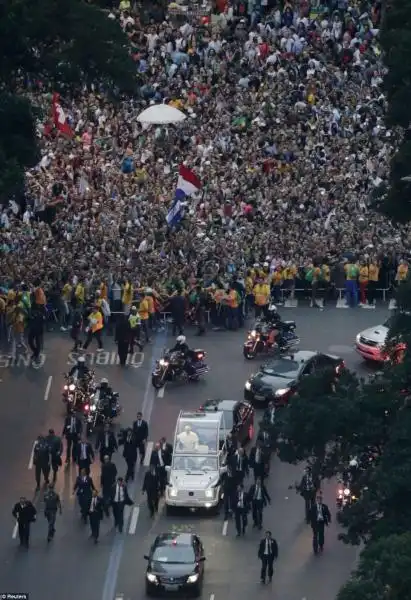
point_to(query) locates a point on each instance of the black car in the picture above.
(278, 379)
(238, 417)
(175, 564)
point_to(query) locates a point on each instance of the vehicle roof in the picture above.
(205, 416)
(302, 356)
(174, 539)
(218, 404)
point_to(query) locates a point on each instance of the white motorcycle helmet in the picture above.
(353, 463)
(81, 360)
(181, 339)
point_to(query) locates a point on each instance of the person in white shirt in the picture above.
(320, 517)
(120, 499)
(267, 553)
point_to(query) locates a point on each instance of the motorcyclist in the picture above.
(272, 320)
(80, 368)
(106, 399)
(184, 351)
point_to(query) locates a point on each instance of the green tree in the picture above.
(64, 44)
(384, 572)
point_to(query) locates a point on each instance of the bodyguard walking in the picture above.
(72, 431)
(320, 517)
(56, 450)
(52, 505)
(120, 499)
(140, 430)
(84, 455)
(107, 480)
(83, 488)
(95, 515)
(240, 506)
(41, 460)
(259, 498)
(151, 487)
(25, 514)
(267, 553)
(129, 453)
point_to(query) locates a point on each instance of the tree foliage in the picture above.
(64, 44)
(384, 571)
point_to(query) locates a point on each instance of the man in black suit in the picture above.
(140, 430)
(95, 515)
(128, 441)
(119, 499)
(167, 451)
(308, 488)
(106, 443)
(240, 507)
(83, 488)
(239, 465)
(259, 498)
(158, 461)
(320, 517)
(84, 455)
(72, 431)
(151, 487)
(267, 553)
(107, 480)
(258, 461)
(25, 514)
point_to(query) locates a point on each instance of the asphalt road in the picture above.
(73, 567)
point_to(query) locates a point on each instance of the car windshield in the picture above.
(288, 369)
(195, 463)
(174, 554)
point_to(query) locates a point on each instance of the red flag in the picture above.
(59, 117)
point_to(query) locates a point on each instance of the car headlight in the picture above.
(192, 578)
(151, 578)
(173, 493)
(282, 392)
(72, 387)
(247, 386)
(209, 493)
(93, 408)
(347, 492)
(253, 333)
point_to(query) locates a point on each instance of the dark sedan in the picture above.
(238, 418)
(279, 379)
(175, 564)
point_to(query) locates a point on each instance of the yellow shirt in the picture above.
(261, 294)
(96, 321)
(363, 273)
(218, 296)
(249, 285)
(103, 291)
(316, 274)
(290, 272)
(277, 278)
(373, 272)
(66, 292)
(79, 293)
(143, 309)
(402, 273)
(150, 303)
(127, 293)
(325, 269)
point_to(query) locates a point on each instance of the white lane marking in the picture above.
(48, 388)
(15, 530)
(134, 520)
(147, 456)
(31, 461)
(161, 391)
(212, 596)
(225, 527)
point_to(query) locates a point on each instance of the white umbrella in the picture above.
(161, 114)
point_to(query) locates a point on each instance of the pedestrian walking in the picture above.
(267, 553)
(41, 461)
(84, 455)
(140, 430)
(128, 441)
(259, 498)
(83, 488)
(158, 461)
(107, 479)
(106, 443)
(35, 332)
(240, 506)
(95, 515)
(52, 505)
(95, 328)
(25, 514)
(120, 499)
(123, 338)
(320, 518)
(308, 488)
(56, 450)
(151, 487)
(72, 431)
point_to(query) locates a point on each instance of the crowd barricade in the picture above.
(341, 292)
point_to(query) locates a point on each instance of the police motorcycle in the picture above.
(270, 335)
(103, 407)
(178, 364)
(79, 385)
(345, 493)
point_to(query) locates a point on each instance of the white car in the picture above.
(370, 343)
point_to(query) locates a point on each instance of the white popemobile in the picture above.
(199, 461)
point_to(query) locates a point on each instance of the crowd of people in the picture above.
(284, 129)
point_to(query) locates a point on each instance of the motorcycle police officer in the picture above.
(80, 369)
(184, 350)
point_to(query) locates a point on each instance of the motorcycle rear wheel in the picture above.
(157, 382)
(249, 355)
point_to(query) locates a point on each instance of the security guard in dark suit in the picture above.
(95, 515)
(107, 480)
(52, 505)
(106, 443)
(151, 487)
(140, 430)
(56, 451)
(83, 488)
(320, 517)
(72, 431)
(267, 553)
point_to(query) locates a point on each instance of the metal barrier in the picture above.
(341, 292)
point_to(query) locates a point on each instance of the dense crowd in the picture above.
(285, 131)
